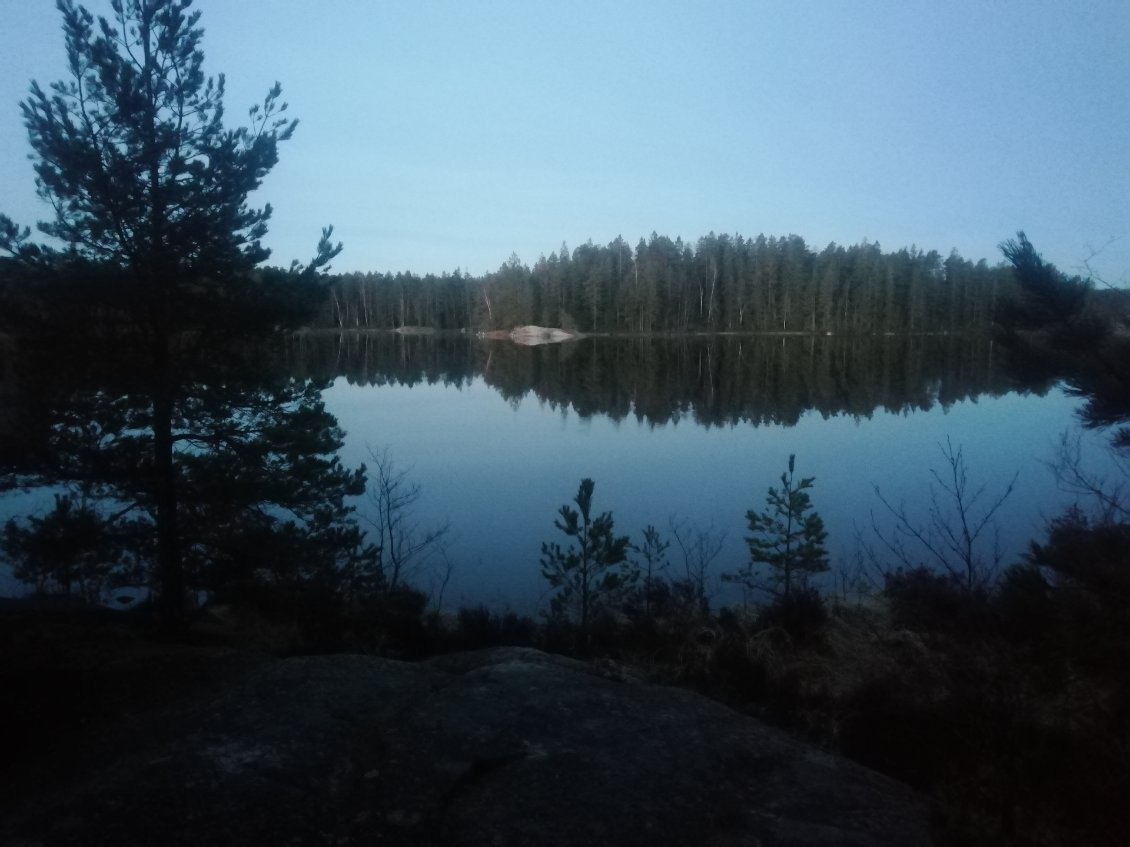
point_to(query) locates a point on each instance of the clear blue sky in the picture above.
(437, 135)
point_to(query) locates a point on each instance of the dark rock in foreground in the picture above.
(501, 747)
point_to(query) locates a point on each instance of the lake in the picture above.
(498, 436)
(690, 430)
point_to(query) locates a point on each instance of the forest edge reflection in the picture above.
(714, 380)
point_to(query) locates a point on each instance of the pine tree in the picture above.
(787, 537)
(585, 575)
(65, 551)
(149, 191)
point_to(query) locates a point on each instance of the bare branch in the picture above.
(699, 548)
(1092, 254)
(1108, 493)
(953, 535)
(405, 544)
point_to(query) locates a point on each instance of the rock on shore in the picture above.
(500, 747)
(532, 335)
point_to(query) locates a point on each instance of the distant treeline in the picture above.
(722, 284)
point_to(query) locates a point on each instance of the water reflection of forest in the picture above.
(714, 380)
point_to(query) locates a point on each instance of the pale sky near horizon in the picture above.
(437, 135)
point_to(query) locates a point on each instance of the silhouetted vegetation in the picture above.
(788, 538)
(70, 549)
(1055, 327)
(722, 283)
(990, 697)
(170, 429)
(585, 573)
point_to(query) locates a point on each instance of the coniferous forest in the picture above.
(722, 284)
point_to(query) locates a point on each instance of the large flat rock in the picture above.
(500, 747)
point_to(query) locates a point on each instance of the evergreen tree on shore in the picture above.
(787, 537)
(150, 196)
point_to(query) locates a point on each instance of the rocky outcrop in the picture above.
(501, 747)
(534, 335)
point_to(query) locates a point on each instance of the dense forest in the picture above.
(723, 283)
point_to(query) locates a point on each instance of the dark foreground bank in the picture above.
(119, 739)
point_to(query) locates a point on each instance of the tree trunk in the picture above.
(169, 566)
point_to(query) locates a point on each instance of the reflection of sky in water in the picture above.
(499, 471)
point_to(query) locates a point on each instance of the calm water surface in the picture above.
(694, 429)
(498, 467)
